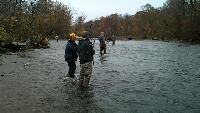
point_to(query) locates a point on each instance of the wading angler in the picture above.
(85, 52)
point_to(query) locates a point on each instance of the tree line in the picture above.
(22, 20)
(175, 20)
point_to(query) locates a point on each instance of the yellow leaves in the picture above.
(13, 18)
(13, 21)
(3, 44)
(148, 28)
(3, 34)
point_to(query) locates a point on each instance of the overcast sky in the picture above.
(97, 8)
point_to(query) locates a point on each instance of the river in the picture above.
(134, 77)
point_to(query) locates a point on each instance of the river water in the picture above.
(134, 77)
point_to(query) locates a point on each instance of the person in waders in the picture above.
(113, 40)
(85, 52)
(101, 39)
(71, 54)
(56, 37)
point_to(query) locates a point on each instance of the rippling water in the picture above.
(149, 76)
(134, 77)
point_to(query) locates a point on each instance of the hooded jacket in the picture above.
(71, 51)
(85, 51)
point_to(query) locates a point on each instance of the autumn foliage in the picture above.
(22, 20)
(32, 20)
(176, 20)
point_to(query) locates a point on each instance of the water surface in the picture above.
(134, 77)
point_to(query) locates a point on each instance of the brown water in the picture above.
(134, 77)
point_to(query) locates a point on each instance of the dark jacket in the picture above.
(71, 51)
(85, 51)
(102, 41)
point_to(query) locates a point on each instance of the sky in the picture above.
(93, 9)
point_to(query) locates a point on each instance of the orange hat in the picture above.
(72, 35)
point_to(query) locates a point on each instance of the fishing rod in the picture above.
(92, 33)
(91, 37)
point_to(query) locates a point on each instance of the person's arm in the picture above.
(76, 52)
(68, 53)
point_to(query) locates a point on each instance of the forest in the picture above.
(32, 20)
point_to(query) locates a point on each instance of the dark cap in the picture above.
(86, 34)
